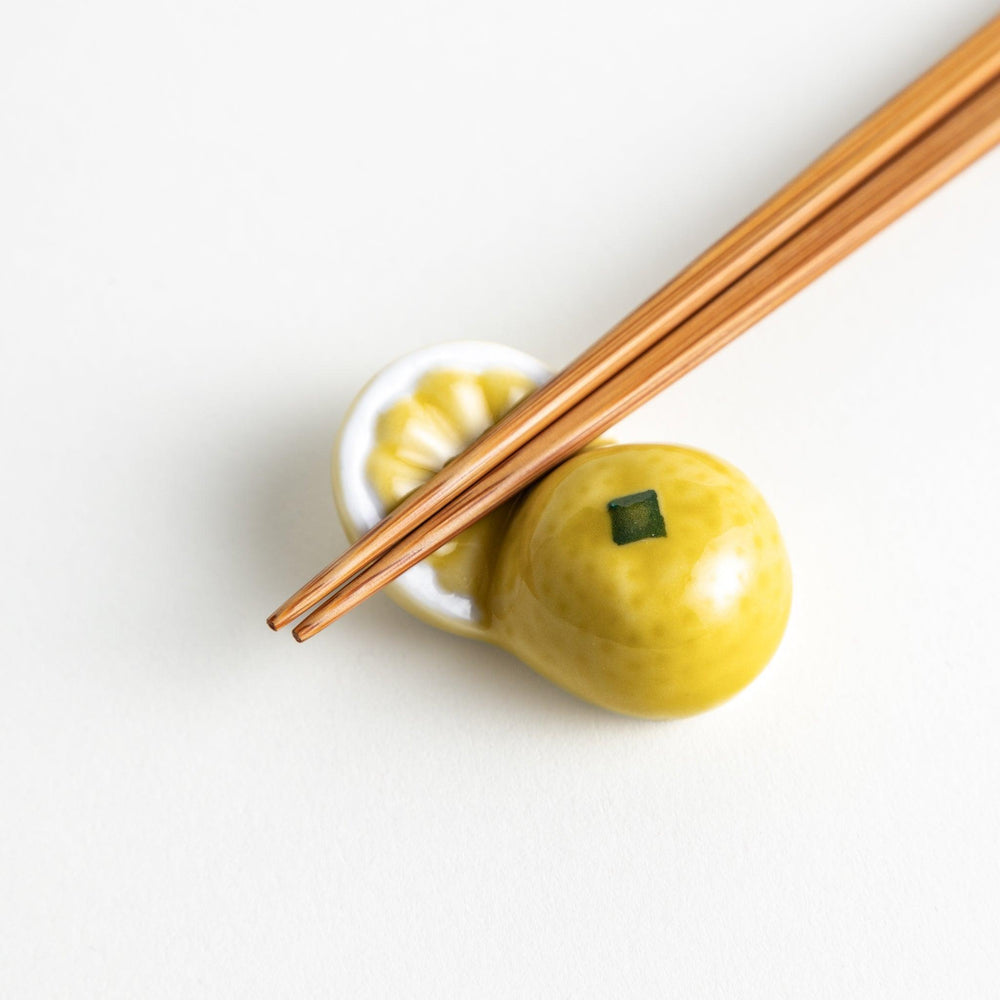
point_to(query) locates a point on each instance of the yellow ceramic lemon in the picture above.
(650, 579)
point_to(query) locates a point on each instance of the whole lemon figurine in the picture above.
(649, 579)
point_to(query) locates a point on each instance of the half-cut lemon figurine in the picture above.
(649, 579)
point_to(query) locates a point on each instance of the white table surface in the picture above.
(216, 220)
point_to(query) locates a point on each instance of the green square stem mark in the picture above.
(635, 517)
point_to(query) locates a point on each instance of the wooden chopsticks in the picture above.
(669, 335)
(914, 174)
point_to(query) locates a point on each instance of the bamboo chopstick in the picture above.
(926, 165)
(872, 144)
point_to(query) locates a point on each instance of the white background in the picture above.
(217, 219)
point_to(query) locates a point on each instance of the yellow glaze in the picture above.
(419, 433)
(660, 627)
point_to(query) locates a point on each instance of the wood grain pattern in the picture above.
(926, 165)
(846, 165)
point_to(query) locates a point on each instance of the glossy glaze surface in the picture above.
(662, 627)
(419, 433)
